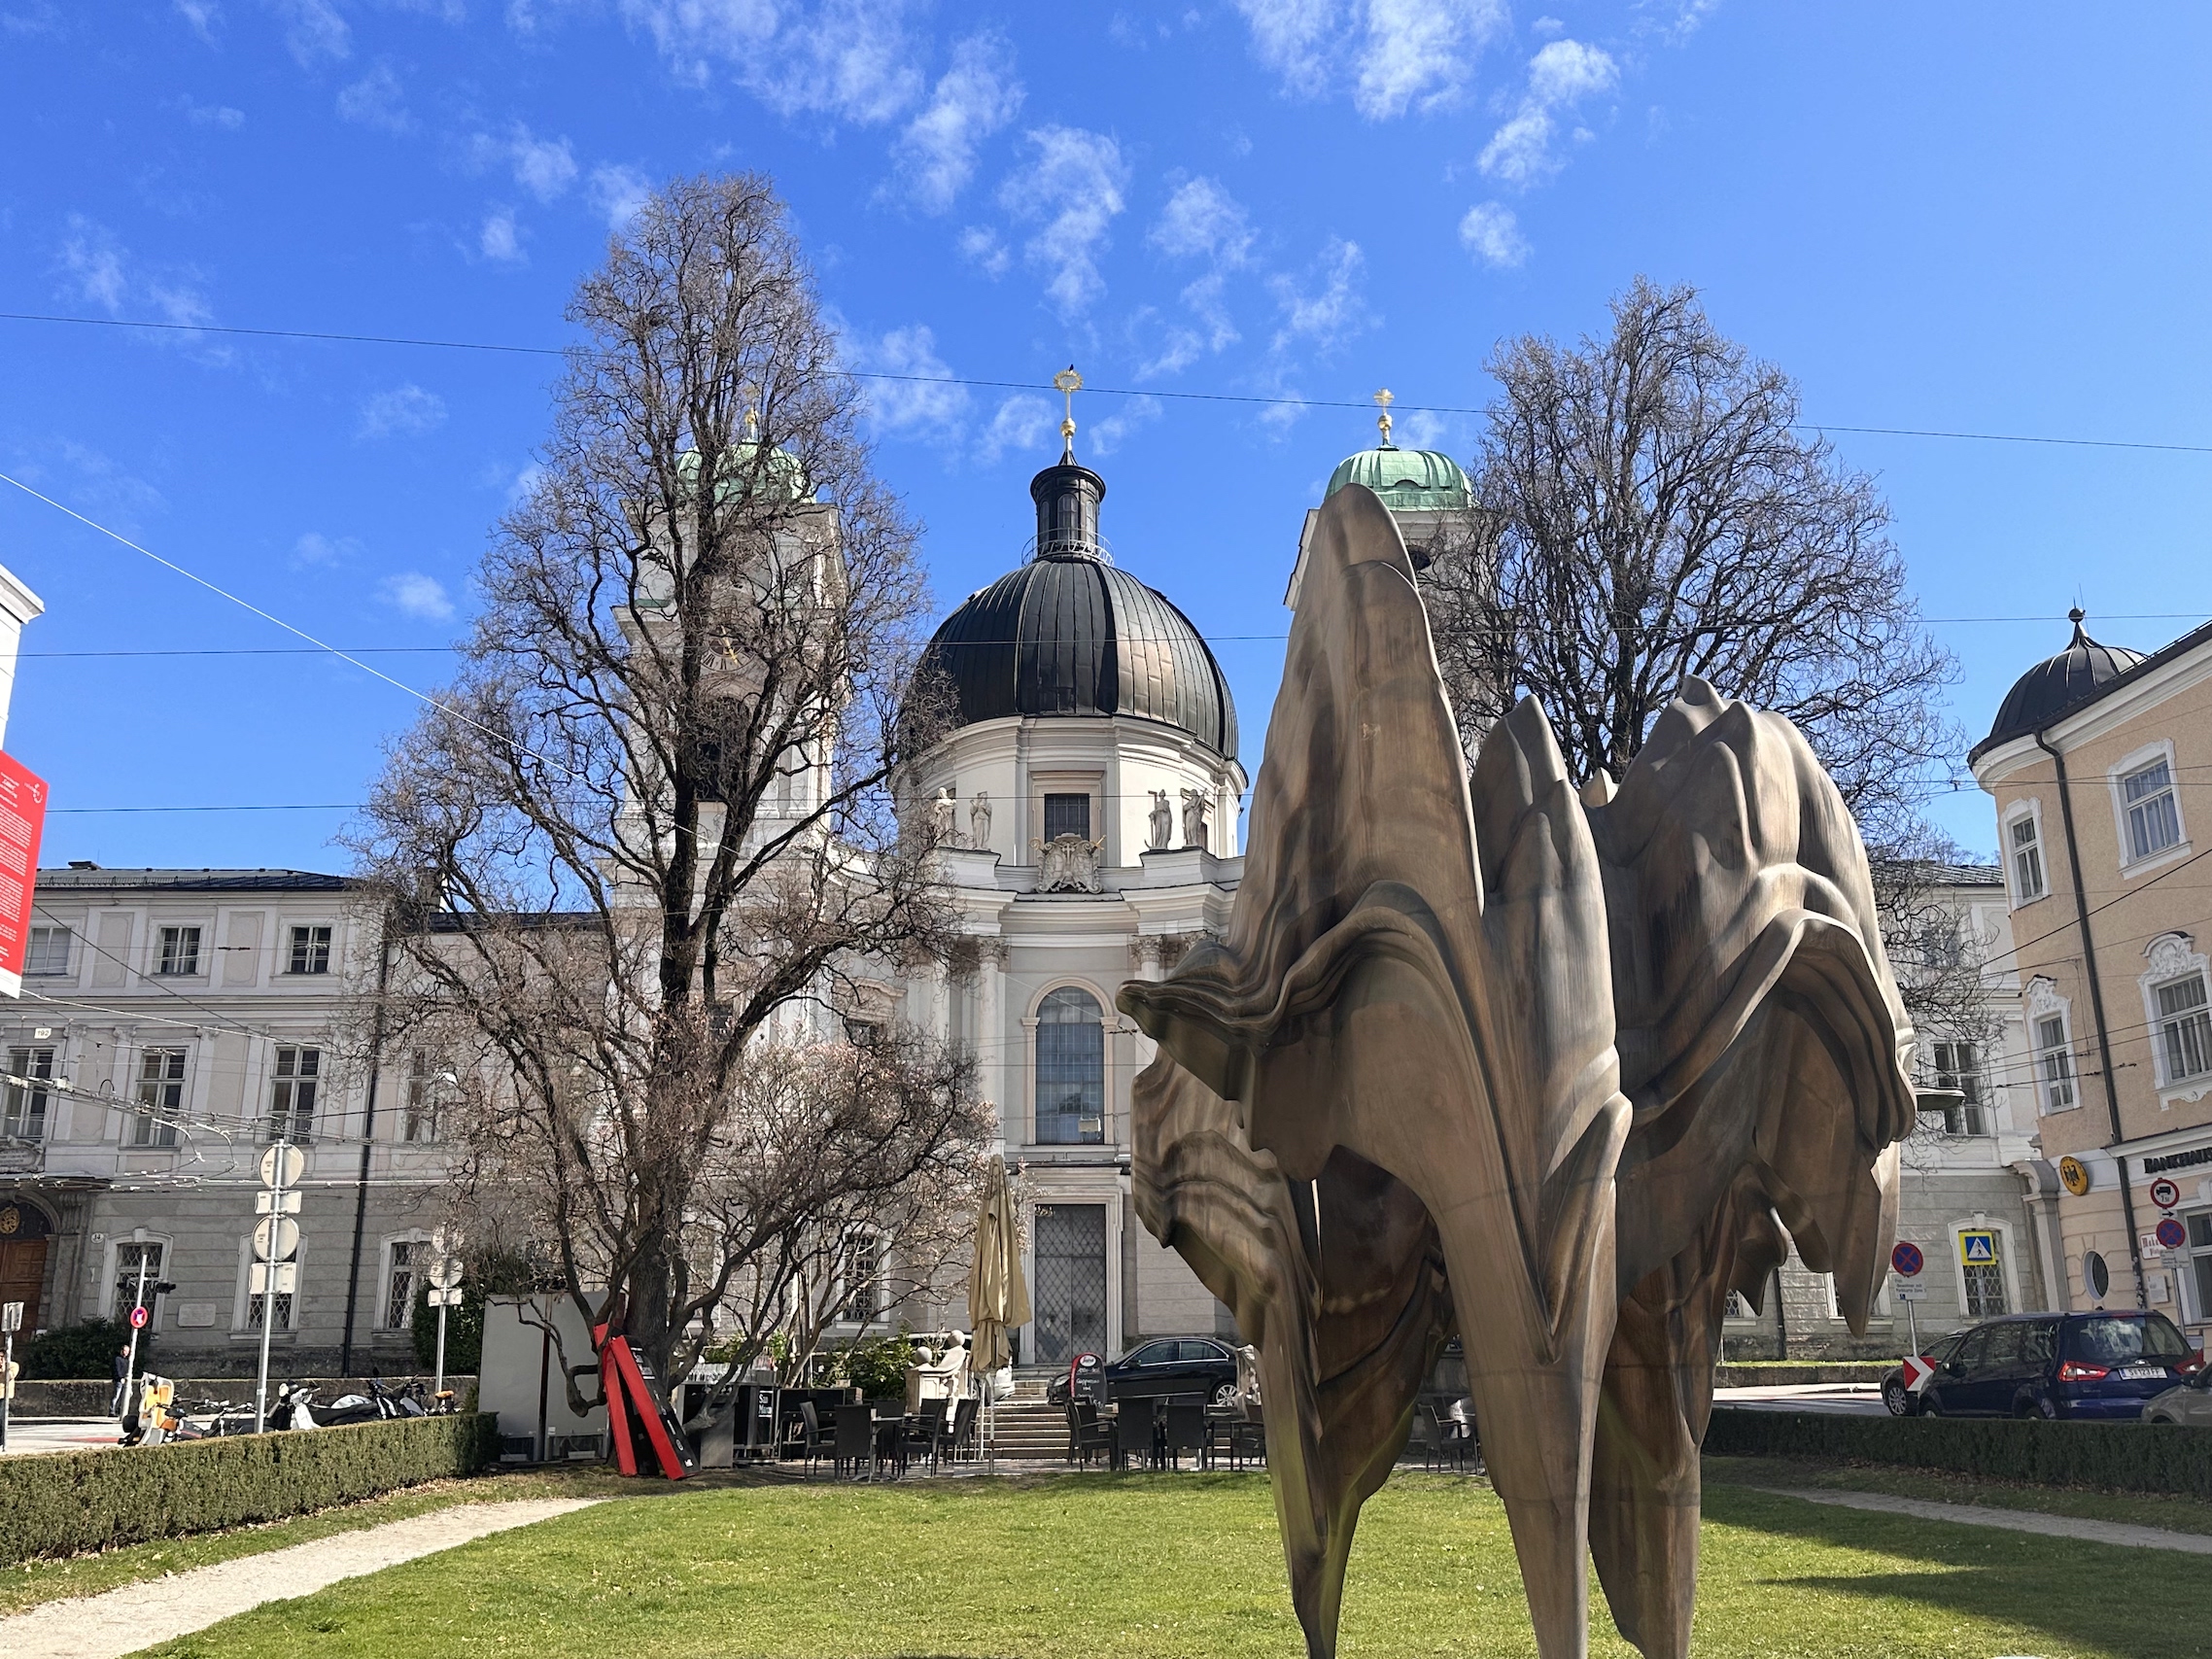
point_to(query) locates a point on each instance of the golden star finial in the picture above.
(1068, 383)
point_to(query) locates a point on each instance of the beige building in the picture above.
(2099, 762)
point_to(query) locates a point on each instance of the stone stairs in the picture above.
(1026, 1429)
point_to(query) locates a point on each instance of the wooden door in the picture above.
(23, 1271)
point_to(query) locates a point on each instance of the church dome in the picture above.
(1071, 634)
(784, 474)
(2056, 684)
(1405, 480)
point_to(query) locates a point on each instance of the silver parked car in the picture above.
(2189, 1402)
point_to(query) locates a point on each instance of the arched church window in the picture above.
(1071, 1069)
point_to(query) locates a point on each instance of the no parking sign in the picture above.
(1906, 1259)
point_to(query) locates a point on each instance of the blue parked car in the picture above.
(2058, 1365)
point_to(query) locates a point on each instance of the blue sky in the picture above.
(1973, 218)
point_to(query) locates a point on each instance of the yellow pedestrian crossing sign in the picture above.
(1978, 1248)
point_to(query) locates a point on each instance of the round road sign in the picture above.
(2171, 1233)
(1906, 1259)
(2165, 1194)
(275, 1238)
(294, 1161)
(445, 1273)
(138, 1319)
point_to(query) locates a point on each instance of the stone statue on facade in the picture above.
(1552, 1067)
(1068, 864)
(1161, 822)
(979, 822)
(1194, 817)
(941, 812)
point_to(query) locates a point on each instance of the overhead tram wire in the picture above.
(343, 339)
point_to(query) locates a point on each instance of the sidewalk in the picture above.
(1977, 1516)
(139, 1615)
(31, 1436)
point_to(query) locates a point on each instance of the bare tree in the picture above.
(644, 848)
(1645, 507)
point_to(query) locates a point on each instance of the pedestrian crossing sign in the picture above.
(1978, 1248)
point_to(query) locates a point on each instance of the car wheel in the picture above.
(1894, 1396)
(2047, 1408)
(1930, 1407)
(1226, 1395)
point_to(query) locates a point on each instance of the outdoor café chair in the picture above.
(959, 1438)
(1086, 1435)
(921, 1433)
(1185, 1426)
(1132, 1434)
(855, 1444)
(807, 1442)
(1424, 1438)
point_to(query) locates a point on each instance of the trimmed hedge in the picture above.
(2112, 1456)
(71, 1503)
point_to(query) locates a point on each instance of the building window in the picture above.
(860, 1278)
(22, 1105)
(1958, 1065)
(407, 1260)
(255, 1305)
(2154, 821)
(161, 1097)
(131, 1257)
(1985, 1286)
(310, 951)
(48, 952)
(1737, 1308)
(2185, 1028)
(1071, 1069)
(2055, 1064)
(2027, 858)
(292, 1096)
(2200, 1264)
(1067, 815)
(419, 1108)
(179, 953)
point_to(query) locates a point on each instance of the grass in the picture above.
(2177, 1514)
(26, 1585)
(1137, 1566)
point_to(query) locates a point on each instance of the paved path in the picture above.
(27, 1435)
(1851, 1399)
(139, 1615)
(1979, 1515)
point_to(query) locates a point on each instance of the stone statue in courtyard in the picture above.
(1553, 1067)
(1161, 822)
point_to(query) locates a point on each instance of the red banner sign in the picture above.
(22, 820)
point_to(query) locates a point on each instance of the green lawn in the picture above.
(1189, 1565)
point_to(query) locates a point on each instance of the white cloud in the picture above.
(499, 239)
(1074, 185)
(545, 167)
(202, 14)
(98, 270)
(936, 154)
(418, 596)
(313, 31)
(403, 412)
(315, 549)
(849, 59)
(214, 115)
(1561, 75)
(1330, 310)
(925, 406)
(1491, 233)
(1110, 434)
(524, 484)
(1021, 422)
(619, 192)
(1201, 220)
(982, 247)
(376, 100)
(1402, 53)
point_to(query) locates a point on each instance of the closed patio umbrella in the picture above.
(998, 1299)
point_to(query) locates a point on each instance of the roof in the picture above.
(1954, 874)
(96, 879)
(1405, 480)
(1069, 633)
(2057, 685)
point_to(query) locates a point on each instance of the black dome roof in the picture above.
(1070, 634)
(2056, 684)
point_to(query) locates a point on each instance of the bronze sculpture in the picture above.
(1553, 1067)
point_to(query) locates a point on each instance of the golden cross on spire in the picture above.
(1068, 383)
(1383, 401)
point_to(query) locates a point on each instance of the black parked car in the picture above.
(2099, 1365)
(1182, 1365)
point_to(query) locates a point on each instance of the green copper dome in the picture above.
(782, 472)
(1406, 480)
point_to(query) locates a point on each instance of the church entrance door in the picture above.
(1071, 1282)
(22, 1259)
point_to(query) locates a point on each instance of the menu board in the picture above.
(22, 820)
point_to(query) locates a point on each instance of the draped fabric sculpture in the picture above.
(1553, 1068)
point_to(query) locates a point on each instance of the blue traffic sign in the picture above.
(2171, 1234)
(1906, 1259)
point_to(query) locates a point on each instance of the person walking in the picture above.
(123, 1377)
